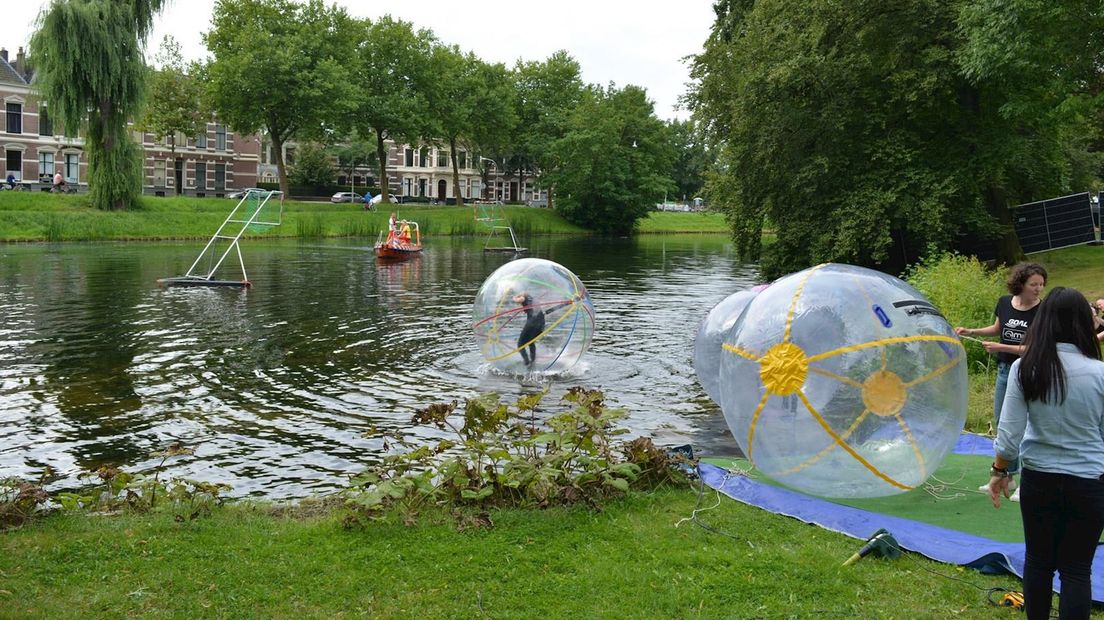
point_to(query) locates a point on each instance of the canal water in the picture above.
(275, 386)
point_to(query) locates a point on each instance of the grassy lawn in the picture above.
(630, 560)
(50, 217)
(1081, 267)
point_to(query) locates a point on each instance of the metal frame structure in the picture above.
(196, 278)
(494, 216)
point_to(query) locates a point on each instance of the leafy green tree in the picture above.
(867, 132)
(547, 95)
(470, 102)
(281, 67)
(88, 62)
(312, 166)
(692, 158)
(392, 81)
(176, 99)
(354, 153)
(1036, 72)
(618, 160)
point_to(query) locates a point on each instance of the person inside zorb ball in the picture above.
(531, 315)
(841, 381)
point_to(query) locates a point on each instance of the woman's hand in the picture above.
(993, 347)
(998, 485)
(962, 331)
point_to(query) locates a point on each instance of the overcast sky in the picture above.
(638, 42)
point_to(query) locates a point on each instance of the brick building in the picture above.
(210, 164)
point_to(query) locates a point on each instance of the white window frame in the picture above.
(46, 168)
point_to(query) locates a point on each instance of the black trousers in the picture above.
(1062, 518)
(529, 333)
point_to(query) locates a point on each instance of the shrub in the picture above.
(964, 291)
(19, 499)
(511, 458)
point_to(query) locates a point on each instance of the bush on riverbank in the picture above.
(514, 458)
(964, 291)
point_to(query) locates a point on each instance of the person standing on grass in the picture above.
(1014, 315)
(1053, 420)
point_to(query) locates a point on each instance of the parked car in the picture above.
(346, 197)
(239, 194)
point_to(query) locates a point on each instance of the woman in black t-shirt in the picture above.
(1014, 314)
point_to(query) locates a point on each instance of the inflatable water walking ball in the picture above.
(532, 315)
(841, 381)
(711, 333)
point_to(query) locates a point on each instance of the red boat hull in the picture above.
(397, 250)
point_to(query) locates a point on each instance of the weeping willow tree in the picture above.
(88, 62)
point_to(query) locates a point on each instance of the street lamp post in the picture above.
(495, 164)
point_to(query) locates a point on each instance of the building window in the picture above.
(15, 165)
(410, 158)
(72, 167)
(475, 191)
(289, 156)
(45, 165)
(220, 177)
(408, 187)
(45, 127)
(15, 117)
(462, 160)
(220, 137)
(159, 173)
(442, 158)
(201, 140)
(201, 175)
(423, 158)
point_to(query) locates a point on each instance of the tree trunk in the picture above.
(455, 174)
(381, 154)
(281, 170)
(1008, 249)
(521, 178)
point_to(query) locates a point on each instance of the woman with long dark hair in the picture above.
(1053, 421)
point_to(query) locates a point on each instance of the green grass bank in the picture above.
(50, 217)
(631, 560)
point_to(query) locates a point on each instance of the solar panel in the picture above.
(1054, 223)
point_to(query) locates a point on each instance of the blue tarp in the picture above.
(938, 543)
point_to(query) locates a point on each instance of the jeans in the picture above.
(998, 402)
(1063, 517)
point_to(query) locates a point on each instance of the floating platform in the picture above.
(197, 281)
(506, 249)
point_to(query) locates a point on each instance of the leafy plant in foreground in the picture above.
(19, 499)
(510, 457)
(116, 489)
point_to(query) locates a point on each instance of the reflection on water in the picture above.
(275, 386)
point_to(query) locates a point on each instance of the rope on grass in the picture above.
(941, 488)
(697, 506)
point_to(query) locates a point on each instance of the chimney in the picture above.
(19, 60)
(4, 53)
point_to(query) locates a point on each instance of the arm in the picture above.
(989, 330)
(1010, 432)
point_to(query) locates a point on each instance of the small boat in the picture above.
(402, 243)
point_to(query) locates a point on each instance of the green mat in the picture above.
(949, 499)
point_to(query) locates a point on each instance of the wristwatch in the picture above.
(998, 472)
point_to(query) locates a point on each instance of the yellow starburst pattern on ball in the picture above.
(785, 367)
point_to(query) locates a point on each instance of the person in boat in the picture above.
(404, 232)
(534, 325)
(392, 227)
